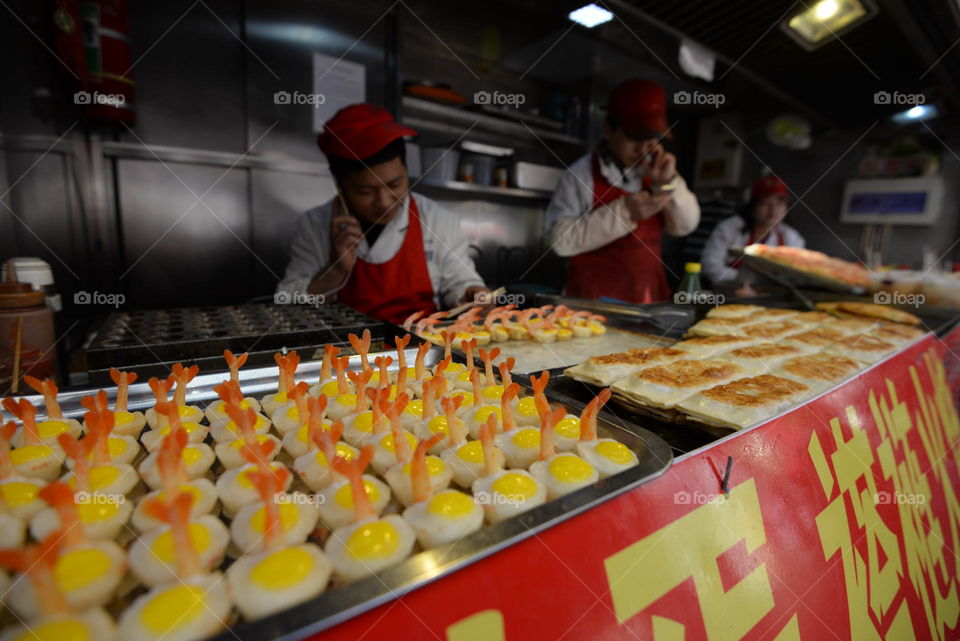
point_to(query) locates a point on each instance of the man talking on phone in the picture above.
(375, 246)
(611, 207)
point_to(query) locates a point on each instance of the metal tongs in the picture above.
(665, 317)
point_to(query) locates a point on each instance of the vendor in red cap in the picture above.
(611, 207)
(760, 221)
(379, 249)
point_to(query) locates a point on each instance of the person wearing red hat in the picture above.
(611, 208)
(760, 221)
(376, 246)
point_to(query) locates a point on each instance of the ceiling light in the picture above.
(822, 22)
(916, 113)
(590, 15)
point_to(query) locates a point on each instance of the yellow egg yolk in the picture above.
(93, 512)
(173, 608)
(464, 376)
(189, 427)
(471, 452)
(374, 540)
(344, 494)
(237, 444)
(614, 452)
(258, 424)
(191, 454)
(527, 439)
(515, 486)
(330, 388)
(481, 416)
(435, 466)
(243, 478)
(451, 505)
(60, 630)
(346, 400)
(388, 445)
(222, 407)
(467, 398)
(438, 425)
(304, 431)
(18, 493)
(99, 477)
(29, 453)
(283, 569)
(455, 368)
(122, 418)
(344, 451)
(289, 516)
(163, 545)
(280, 397)
(116, 446)
(492, 392)
(414, 407)
(51, 429)
(191, 489)
(570, 469)
(78, 568)
(527, 406)
(363, 422)
(568, 427)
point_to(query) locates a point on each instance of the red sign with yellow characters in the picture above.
(842, 522)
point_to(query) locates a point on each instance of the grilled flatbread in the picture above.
(863, 347)
(896, 333)
(720, 326)
(743, 402)
(883, 312)
(819, 371)
(772, 330)
(733, 310)
(768, 314)
(761, 358)
(604, 370)
(850, 324)
(814, 340)
(664, 386)
(710, 346)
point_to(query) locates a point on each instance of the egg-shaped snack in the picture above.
(197, 459)
(12, 530)
(115, 479)
(303, 439)
(290, 517)
(230, 430)
(90, 624)
(264, 583)
(363, 548)
(34, 459)
(421, 410)
(445, 517)
(450, 427)
(235, 487)
(216, 412)
(204, 502)
(508, 493)
(21, 495)
(293, 414)
(287, 366)
(357, 428)
(93, 468)
(314, 466)
(183, 547)
(607, 455)
(151, 439)
(478, 418)
(187, 610)
(326, 372)
(474, 459)
(564, 473)
(520, 446)
(336, 504)
(188, 414)
(120, 448)
(230, 453)
(431, 470)
(125, 422)
(86, 576)
(55, 424)
(97, 516)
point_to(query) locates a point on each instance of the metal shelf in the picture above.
(486, 190)
(431, 116)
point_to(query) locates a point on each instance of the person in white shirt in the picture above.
(761, 221)
(382, 250)
(611, 207)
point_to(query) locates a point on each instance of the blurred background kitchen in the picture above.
(185, 190)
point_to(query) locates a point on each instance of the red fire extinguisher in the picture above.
(93, 39)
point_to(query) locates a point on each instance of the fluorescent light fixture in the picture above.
(590, 15)
(917, 113)
(823, 21)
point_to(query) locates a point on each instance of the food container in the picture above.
(528, 175)
(439, 164)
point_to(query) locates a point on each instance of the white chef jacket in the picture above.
(444, 245)
(732, 233)
(572, 226)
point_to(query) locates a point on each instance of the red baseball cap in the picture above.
(359, 131)
(769, 186)
(640, 107)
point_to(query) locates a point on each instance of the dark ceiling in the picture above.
(893, 51)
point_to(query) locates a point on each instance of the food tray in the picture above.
(144, 341)
(338, 604)
(796, 276)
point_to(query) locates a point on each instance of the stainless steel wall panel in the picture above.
(177, 250)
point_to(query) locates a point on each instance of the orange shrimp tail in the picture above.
(547, 423)
(61, 498)
(401, 344)
(229, 392)
(259, 453)
(100, 425)
(419, 474)
(487, 430)
(6, 461)
(353, 471)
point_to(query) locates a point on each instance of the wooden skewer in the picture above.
(17, 343)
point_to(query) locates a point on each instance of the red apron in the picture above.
(629, 268)
(393, 290)
(752, 239)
